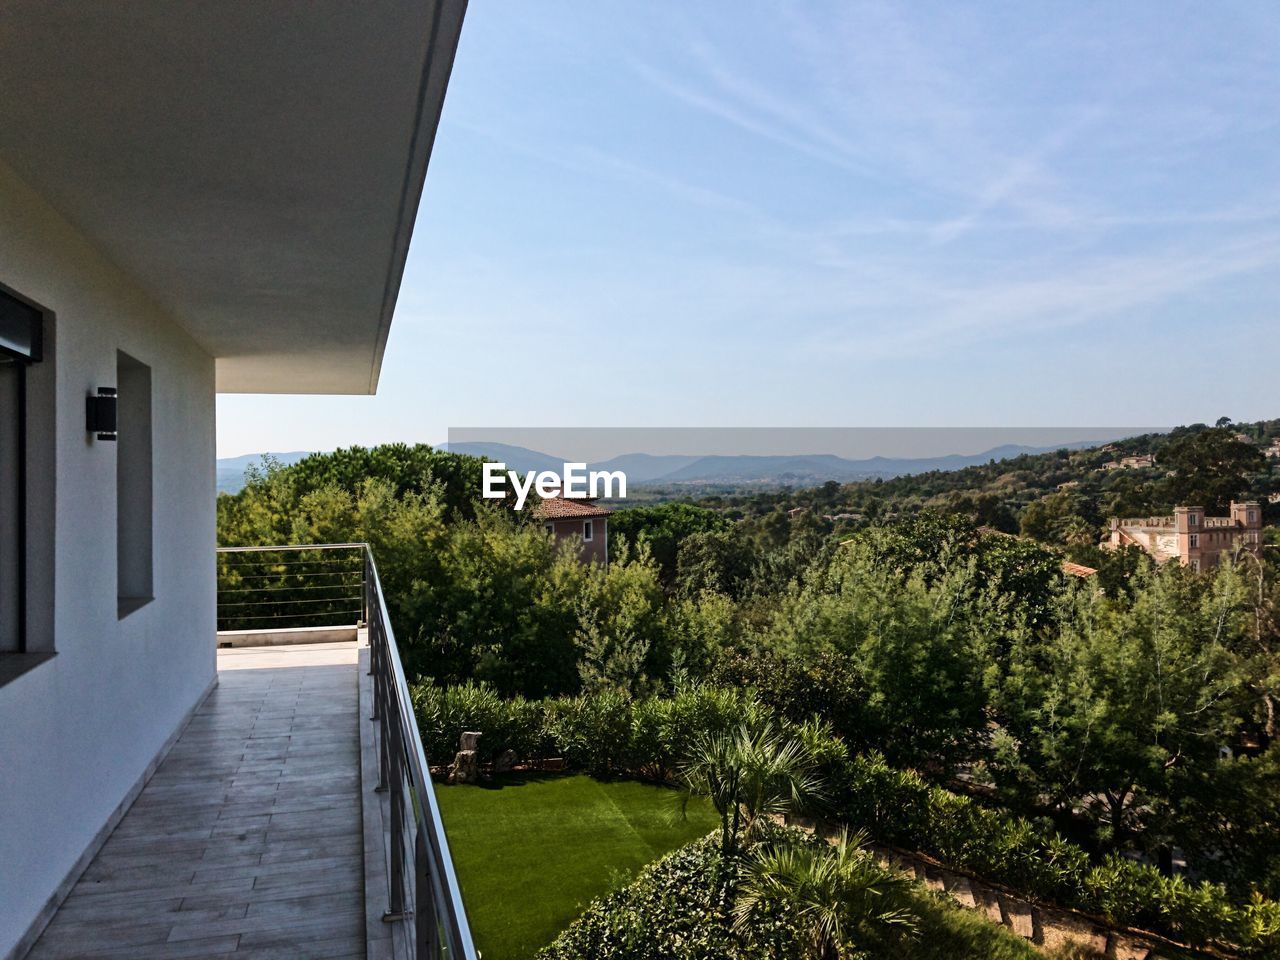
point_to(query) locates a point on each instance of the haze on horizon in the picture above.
(830, 214)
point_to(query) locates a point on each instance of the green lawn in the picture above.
(531, 851)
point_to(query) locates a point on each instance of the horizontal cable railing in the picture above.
(282, 587)
(276, 587)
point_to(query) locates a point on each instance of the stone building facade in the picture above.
(1190, 537)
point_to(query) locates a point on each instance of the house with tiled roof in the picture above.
(582, 520)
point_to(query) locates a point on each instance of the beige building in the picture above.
(1190, 537)
(1131, 463)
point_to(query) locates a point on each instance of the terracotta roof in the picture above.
(1077, 569)
(558, 508)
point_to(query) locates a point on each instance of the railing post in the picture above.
(364, 588)
(426, 928)
(381, 708)
(395, 909)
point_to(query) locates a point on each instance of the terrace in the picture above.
(293, 816)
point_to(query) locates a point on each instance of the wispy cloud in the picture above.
(946, 314)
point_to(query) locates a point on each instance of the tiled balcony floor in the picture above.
(247, 842)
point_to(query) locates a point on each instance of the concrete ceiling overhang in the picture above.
(254, 165)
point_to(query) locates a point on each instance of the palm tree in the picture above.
(750, 774)
(838, 894)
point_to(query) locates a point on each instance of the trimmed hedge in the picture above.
(606, 734)
(901, 808)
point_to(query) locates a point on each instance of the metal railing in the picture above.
(280, 587)
(424, 887)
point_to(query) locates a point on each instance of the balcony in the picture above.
(294, 815)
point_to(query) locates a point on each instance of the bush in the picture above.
(679, 906)
(901, 808)
(604, 733)
(607, 734)
(445, 712)
(592, 733)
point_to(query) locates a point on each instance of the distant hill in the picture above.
(650, 469)
(639, 467)
(231, 469)
(519, 459)
(780, 470)
(819, 468)
(645, 467)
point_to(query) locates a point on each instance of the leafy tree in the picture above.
(829, 685)
(718, 561)
(408, 469)
(1228, 822)
(1053, 518)
(622, 628)
(1103, 713)
(1209, 468)
(702, 627)
(664, 528)
(921, 649)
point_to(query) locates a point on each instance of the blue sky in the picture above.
(845, 214)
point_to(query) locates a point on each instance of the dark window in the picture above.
(133, 484)
(586, 530)
(21, 336)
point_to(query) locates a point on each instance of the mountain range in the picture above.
(649, 469)
(231, 470)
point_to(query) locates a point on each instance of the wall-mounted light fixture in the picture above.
(100, 413)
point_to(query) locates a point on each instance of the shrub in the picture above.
(592, 733)
(679, 906)
(608, 734)
(603, 733)
(445, 712)
(901, 808)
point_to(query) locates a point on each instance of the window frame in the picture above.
(135, 486)
(26, 338)
(22, 343)
(588, 531)
(20, 365)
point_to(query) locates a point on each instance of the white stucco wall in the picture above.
(77, 731)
